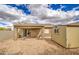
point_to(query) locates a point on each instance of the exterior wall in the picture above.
(16, 33)
(34, 32)
(47, 33)
(59, 37)
(5, 35)
(72, 37)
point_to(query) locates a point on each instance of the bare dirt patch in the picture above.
(34, 46)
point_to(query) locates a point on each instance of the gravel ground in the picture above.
(34, 46)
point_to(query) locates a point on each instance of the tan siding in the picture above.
(72, 37)
(60, 37)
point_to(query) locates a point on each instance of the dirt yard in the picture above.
(32, 46)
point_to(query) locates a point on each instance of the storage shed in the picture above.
(66, 35)
(33, 30)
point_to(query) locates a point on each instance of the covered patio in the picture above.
(32, 30)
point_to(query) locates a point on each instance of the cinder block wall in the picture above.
(4, 35)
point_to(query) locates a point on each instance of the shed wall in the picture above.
(72, 37)
(59, 37)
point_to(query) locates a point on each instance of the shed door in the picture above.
(72, 37)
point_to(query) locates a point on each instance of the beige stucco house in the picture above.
(66, 35)
(33, 30)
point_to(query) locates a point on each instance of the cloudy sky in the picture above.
(65, 7)
(51, 13)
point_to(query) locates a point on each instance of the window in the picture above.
(56, 30)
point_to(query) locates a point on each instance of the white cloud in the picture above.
(10, 14)
(75, 8)
(11, 10)
(41, 14)
(53, 16)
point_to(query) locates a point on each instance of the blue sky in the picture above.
(67, 7)
(52, 13)
(21, 6)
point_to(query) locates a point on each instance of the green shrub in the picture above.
(2, 28)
